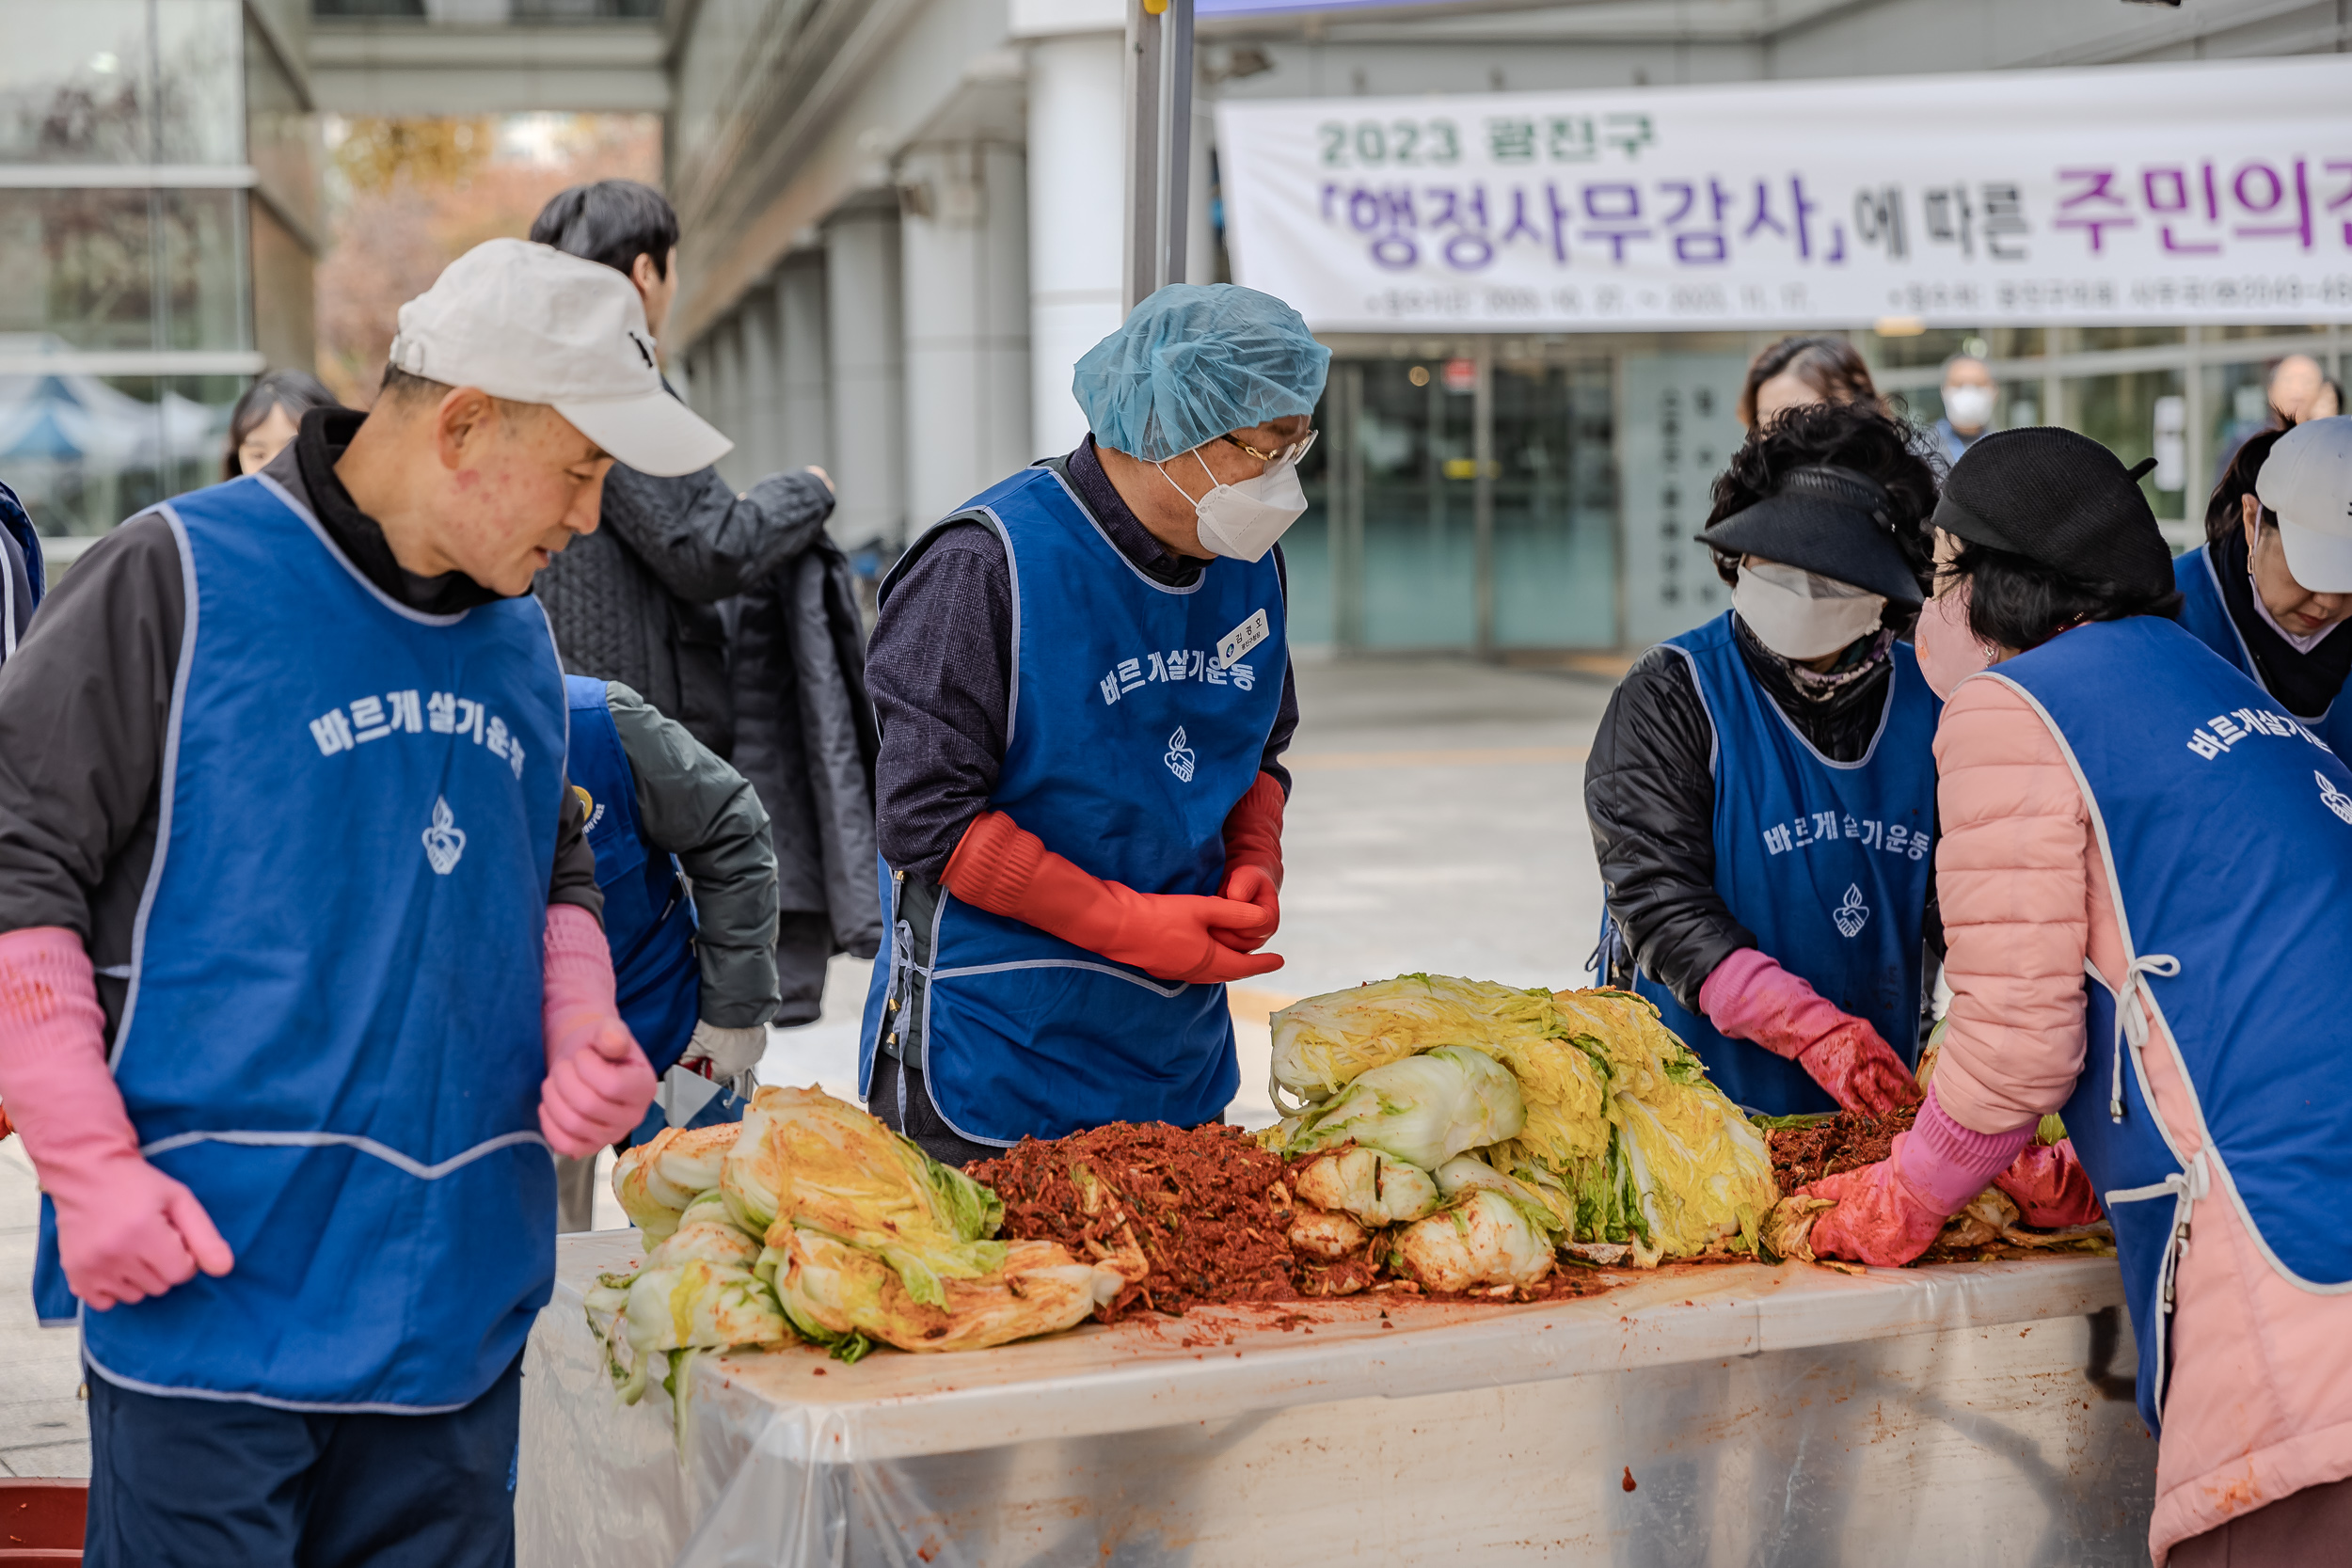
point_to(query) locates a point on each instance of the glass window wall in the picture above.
(123, 269)
(1555, 505)
(1500, 494)
(121, 82)
(2137, 416)
(114, 286)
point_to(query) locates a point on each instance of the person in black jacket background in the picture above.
(736, 616)
(1819, 516)
(640, 604)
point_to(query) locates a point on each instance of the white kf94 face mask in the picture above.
(1968, 407)
(1801, 615)
(1242, 521)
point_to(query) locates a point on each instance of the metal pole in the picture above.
(1175, 137)
(1159, 144)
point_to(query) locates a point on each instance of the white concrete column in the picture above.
(805, 412)
(762, 400)
(1076, 142)
(965, 240)
(727, 363)
(865, 337)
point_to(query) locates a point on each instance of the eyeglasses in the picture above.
(1296, 449)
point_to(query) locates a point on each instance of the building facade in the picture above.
(902, 225)
(159, 219)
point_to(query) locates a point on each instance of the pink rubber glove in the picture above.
(1750, 997)
(125, 1231)
(2050, 1188)
(1890, 1212)
(599, 1084)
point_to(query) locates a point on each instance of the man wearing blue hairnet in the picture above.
(1083, 683)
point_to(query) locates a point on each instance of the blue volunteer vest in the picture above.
(648, 918)
(1828, 863)
(332, 1033)
(2205, 615)
(2228, 827)
(1127, 743)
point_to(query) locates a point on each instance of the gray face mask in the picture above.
(1801, 615)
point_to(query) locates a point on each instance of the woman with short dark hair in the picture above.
(2117, 803)
(267, 418)
(1761, 792)
(2242, 598)
(1799, 371)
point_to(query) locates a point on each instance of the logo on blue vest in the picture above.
(2335, 799)
(1851, 913)
(1179, 758)
(444, 841)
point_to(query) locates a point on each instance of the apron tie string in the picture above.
(2131, 1017)
(2186, 1187)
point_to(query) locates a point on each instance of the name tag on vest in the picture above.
(1242, 637)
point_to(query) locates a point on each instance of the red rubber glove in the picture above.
(1254, 862)
(598, 1085)
(1750, 997)
(125, 1231)
(1888, 1214)
(2050, 1188)
(7, 1126)
(1005, 870)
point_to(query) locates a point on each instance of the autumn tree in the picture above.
(408, 197)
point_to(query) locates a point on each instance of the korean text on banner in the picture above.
(2189, 193)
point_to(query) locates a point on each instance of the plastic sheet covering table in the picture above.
(1968, 1414)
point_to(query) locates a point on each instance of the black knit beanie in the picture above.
(2059, 498)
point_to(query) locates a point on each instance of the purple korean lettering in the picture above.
(2096, 208)
(1619, 205)
(1384, 214)
(2342, 166)
(1519, 228)
(2263, 191)
(1801, 216)
(1703, 242)
(2171, 198)
(1467, 248)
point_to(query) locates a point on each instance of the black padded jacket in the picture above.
(1649, 795)
(637, 600)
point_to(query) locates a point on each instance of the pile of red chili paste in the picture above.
(1205, 1205)
(1211, 1212)
(1846, 1141)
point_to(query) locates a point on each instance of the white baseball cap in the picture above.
(530, 323)
(2307, 480)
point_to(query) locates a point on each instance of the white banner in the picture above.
(2188, 193)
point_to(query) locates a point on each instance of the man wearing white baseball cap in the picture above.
(301, 973)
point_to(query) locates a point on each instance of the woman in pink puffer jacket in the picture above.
(2117, 802)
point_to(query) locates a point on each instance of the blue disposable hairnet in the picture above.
(1196, 361)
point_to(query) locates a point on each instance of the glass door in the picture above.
(1554, 555)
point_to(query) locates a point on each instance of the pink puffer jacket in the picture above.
(2261, 1398)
